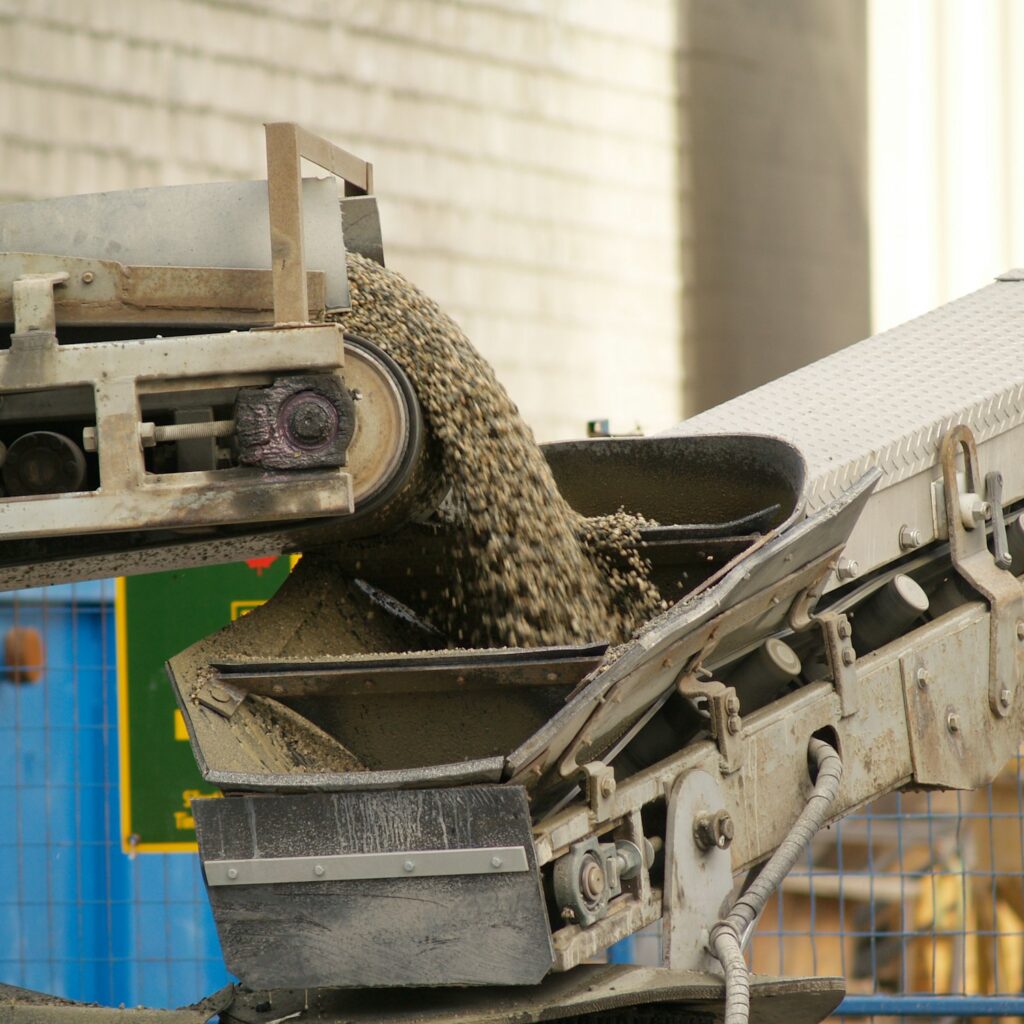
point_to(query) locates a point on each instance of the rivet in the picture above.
(409, 866)
(495, 862)
(318, 870)
(232, 872)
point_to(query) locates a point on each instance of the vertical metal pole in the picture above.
(284, 196)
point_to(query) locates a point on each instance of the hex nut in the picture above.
(607, 786)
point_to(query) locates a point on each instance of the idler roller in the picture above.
(387, 454)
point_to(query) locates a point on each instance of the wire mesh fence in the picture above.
(920, 893)
(79, 917)
(917, 901)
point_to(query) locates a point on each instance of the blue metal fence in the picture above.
(78, 917)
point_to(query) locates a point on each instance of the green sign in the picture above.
(158, 616)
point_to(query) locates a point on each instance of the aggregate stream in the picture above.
(523, 568)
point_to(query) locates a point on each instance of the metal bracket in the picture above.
(287, 146)
(698, 880)
(344, 867)
(842, 659)
(35, 320)
(994, 497)
(968, 547)
(724, 711)
(599, 779)
(221, 697)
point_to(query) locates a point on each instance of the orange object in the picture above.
(24, 654)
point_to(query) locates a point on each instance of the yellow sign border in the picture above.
(124, 740)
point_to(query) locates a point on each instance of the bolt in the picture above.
(910, 537)
(713, 830)
(496, 862)
(847, 569)
(1004, 698)
(310, 423)
(849, 656)
(843, 628)
(734, 723)
(409, 866)
(732, 705)
(88, 277)
(318, 870)
(568, 915)
(923, 678)
(953, 722)
(607, 785)
(232, 873)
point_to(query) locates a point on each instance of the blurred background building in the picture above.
(635, 210)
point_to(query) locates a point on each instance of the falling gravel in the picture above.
(525, 569)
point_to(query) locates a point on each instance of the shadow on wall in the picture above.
(774, 189)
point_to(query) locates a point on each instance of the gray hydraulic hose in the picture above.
(727, 936)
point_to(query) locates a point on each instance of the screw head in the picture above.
(847, 568)
(953, 722)
(232, 873)
(910, 537)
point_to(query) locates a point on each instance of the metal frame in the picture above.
(288, 145)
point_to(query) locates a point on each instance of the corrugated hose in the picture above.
(727, 937)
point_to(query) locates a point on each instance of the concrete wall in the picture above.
(773, 111)
(525, 152)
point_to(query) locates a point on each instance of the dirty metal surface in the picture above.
(593, 718)
(887, 402)
(455, 671)
(104, 292)
(22, 1006)
(224, 224)
(592, 994)
(701, 481)
(444, 930)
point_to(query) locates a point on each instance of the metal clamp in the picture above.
(842, 659)
(968, 547)
(724, 711)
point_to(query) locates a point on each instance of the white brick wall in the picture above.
(525, 153)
